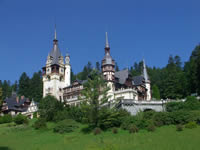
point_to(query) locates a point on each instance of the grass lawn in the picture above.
(164, 138)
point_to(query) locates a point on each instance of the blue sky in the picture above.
(137, 29)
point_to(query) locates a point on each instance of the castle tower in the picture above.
(108, 69)
(54, 73)
(147, 81)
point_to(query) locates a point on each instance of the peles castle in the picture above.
(57, 79)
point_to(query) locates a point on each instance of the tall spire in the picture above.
(145, 72)
(55, 33)
(107, 44)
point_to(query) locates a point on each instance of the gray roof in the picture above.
(55, 53)
(13, 105)
(122, 75)
(107, 60)
(81, 81)
(138, 80)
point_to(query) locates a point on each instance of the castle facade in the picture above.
(57, 79)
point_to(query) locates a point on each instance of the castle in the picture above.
(57, 79)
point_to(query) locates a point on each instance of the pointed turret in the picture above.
(55, 52)
(145, 72)
(147, 82)
(108, 64)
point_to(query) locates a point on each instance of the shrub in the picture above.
(159, 119)
(162, 118)
(141, 123)
(191, 103)
(138, 121)
(180, 117)
(174, 106)
(149, 114)
(179, 127)
(97, 131)
(20, 119)
(40, 124)
(127, 122)
(60, 115)
(87, 129)
(115, 130)
(191, 125)
(196, 115)
(133, 129)
(35, 114)
(151, 127)
(6, 119)
(109, 118)
(65, 126)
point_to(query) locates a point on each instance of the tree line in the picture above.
(29, 87)
(177, 79)
(174, 81)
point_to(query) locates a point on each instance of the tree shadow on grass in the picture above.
(4, 148)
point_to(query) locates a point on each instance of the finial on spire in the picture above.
(107, 44)
(67, 54)
(55, 33)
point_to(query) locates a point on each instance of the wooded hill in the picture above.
(176, 80)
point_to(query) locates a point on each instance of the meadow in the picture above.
(164, 138)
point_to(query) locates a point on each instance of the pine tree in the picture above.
(156, 92)
(73, 76)
(7, 89)
(15, 87)
(98, 66)
(1, 98)
(136, 69)
(192, 72)
(174, 80)
(95, 95)
(116, 67)
(36, 87)
(89, 67)
(24, 85)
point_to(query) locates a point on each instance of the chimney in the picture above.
(17, 99)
